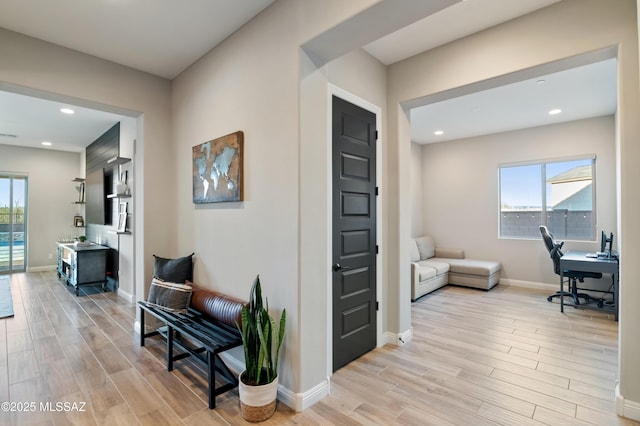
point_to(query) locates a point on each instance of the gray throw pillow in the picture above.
(175, 270)
(172, 297)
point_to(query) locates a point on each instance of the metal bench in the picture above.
(201, 333)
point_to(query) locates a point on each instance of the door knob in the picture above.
(337, 267)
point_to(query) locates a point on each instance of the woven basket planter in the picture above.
(258, 403)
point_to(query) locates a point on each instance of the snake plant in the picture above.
(260, 338)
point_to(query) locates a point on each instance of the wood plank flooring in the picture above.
(503, 357)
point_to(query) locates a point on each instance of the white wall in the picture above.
(52, 193)
(461, 190)
(251, 82)
(417, 191)
(43, 69)
(560, 31)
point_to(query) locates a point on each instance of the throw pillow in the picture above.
(415, 254)
(174, 270)
(172, 297)
(426, 246)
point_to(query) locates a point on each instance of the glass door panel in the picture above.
(13, 231)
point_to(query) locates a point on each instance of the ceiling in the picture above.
(582, 92)
(163, 37)
(28, 122)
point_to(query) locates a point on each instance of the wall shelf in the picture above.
(119, 196)
(118, 160)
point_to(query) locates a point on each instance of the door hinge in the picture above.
(377, 191)
(377, 249)
(377, 305)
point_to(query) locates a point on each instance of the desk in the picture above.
(578, 261)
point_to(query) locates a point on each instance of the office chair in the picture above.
(573, 276)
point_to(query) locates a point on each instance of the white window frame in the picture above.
(544, 215)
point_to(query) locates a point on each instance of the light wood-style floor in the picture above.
(477, 358)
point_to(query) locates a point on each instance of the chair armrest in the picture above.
(449, 253)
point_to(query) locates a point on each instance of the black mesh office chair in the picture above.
(573, 276)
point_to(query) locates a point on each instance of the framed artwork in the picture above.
(218, 170)
(78, 221)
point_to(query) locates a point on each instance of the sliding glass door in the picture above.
(13, 229)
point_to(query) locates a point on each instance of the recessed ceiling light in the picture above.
(438, 132)
(555, 111)
(67, 111)
(540, 81)
(47, 143)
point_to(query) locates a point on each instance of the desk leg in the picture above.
(561, 291)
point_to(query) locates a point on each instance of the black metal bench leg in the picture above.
(142, 330)
(211, 374)
(169, 348)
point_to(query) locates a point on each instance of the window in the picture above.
(559, 194)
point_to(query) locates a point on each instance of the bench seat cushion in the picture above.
(217, 306)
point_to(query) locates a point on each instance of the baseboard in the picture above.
(42, 268)
(126, 296)
(626, 408)
(295, 401)
(304, 400)
(398, 339)
(529, 284)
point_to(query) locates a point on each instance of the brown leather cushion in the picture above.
(217, 306)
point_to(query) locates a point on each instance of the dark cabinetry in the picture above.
(82, 265)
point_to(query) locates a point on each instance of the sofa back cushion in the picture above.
(426, 247)
(415, 254)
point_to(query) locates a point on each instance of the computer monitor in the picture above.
(606, 243)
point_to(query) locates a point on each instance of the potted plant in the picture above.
(261, 339)
(81, 241)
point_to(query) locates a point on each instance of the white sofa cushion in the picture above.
(483, 268)
(440, 267)
(449, 253)
(425, 273)
(415, 254)
(426, 247)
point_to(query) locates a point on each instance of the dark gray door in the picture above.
(354, 232)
